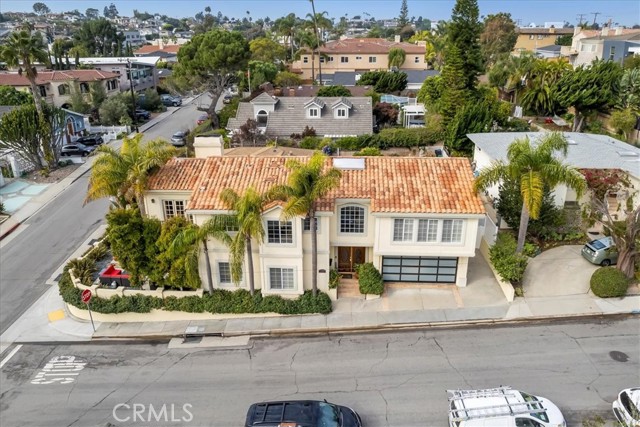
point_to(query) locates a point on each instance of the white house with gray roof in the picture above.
(586, 151)
(331, 117)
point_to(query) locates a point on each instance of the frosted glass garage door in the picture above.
(419, 269)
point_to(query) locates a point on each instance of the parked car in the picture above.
(501, 407)
(311, 413)
(76, 149)
(169, 100)
(227, 99)
(601, 252)
(203, 118)
(179, 138)
(142, 114)
(91, 139)
(627, 407)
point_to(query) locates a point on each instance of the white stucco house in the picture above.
(416, 219)
(586, 151)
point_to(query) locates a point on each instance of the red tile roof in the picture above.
(15, 79)
(392, 184)
(369, 45)
(146, 49)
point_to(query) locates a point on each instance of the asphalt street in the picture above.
(43, 242)
(396, 379)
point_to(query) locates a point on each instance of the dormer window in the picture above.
(341, 113)
(314, 112)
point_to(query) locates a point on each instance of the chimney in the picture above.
(618, 31)
(605, 31)
(576, 30)
(397, 38)
(208, 146)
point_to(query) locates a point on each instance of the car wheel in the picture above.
(63, 154)
(605, 263)
(84, 154)
(175, 104)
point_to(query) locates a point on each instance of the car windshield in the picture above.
(328, 415)
(535, 404)
(598, 244)
(628, 404)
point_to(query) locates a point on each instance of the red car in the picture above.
(203, 118)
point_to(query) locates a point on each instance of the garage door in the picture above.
(419, 269)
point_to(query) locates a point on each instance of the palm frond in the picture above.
(532, 191)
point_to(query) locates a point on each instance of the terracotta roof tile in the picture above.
(146, 49)
(393, 184)
(177, 174)
(369, 45)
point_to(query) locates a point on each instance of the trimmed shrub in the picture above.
(334, 278)
(509, 265)
(609, 282)
(368, 151)
(311, 142)
(370, 280)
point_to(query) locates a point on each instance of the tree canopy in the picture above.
(498, 37)
(11, 96)
(463, 32)
(99, 37)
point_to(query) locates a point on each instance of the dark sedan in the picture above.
(76, 149)
(142, 114)
(91, 139)
(312, 413)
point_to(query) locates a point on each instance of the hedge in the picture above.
(509, 265)
(219, 301)
(369, 279)
(394, 137)
(609, 282)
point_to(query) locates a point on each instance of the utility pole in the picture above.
(315, 25)
(595, 15)
(133, 97)
(580, 16)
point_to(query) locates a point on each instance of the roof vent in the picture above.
(628, 154)
(571, 142)
(348, 163)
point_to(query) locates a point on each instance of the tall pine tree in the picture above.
(464, 33)
(404, 15)
(454, 83)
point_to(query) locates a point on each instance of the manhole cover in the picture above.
(618, 356)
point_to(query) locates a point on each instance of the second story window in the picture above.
(342, 113)
(452, 231)
(344, 59)
(402, 230)
(416, 60)
(306, 224)
(373, 59)
(173, 208)
(352, 219)
(279, 232)
(63, 89)
(305, 59)
(314, 112)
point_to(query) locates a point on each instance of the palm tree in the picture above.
(23, 50)
(307, 40)
(543, 75)
(124, 174)
(286, 26)
(246, 221)
(188, 241)
(396, 57)
(535, 167)
(307, 184)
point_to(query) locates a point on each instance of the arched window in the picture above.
(262, 117)
(352, 219)
(63, 89)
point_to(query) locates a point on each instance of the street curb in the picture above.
(377, 328)
(10, 230)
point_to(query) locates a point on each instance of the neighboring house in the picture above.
(415, 218)
(609, 47)
(56, 86)
(168, 53)
(331, 117)
(359, 54)
(309, 90)
(586, 151)
(530, 39)
(549, 52)
(144, 70)
(134, 38)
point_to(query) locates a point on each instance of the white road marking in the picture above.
(10, 355)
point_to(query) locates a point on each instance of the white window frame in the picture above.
(344, 59)
(373, 59)
(403, 230)
(219, 275)
(282, 269)
(457, 228)
(305, 59)
(280, 235)
(429, 232)
(313, 113)
(171, 208)
(358, 58)
(341, 113)
(416, 60)
(364, 220)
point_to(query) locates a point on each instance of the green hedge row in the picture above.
(393, 137)
(369, 279)
(220, 301)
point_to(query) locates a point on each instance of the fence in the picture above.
(490, 230)
(109, 132)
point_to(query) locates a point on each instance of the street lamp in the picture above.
(133, 97)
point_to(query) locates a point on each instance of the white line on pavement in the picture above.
(10, 355)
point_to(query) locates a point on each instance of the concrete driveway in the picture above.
(558, 271)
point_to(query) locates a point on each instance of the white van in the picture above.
(501, 407)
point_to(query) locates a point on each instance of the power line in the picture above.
(580, 16)
(595, 15)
